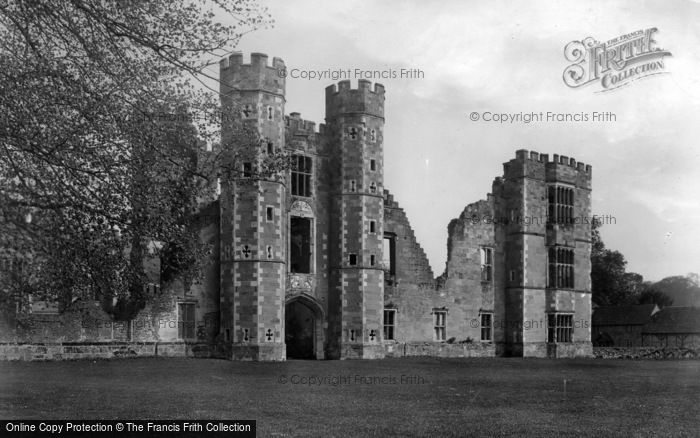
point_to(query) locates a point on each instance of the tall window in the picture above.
(486, 263)
(561, 205)
(487, 327)
(440, 324)
(185, 320)
(389, 254)
(300, 245)
(560, 327)
(561, 268)
(301, 175)
(389, 324)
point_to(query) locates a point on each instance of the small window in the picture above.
(487, 327)
(270, 148)
(352, 259)
(373, 135)
(512, 275)
(372, 226)
(440, 324)
(372, 165)
(486, 263)
(269, 113)
(373, 187)
(352, 185)
(270, 214)
(247, 170)
(389, 324)
(372, 260)
(560, 327)
(352, 334)
(185, 321)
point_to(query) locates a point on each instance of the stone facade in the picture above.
(321, 261)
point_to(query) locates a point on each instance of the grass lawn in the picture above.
(440, 397)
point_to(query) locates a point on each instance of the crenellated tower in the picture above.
(354, 132)
(253, 213)
(546, 255)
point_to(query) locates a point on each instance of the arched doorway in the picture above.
(303, 328)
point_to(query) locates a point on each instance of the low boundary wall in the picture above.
(645, 353)
(103, 350)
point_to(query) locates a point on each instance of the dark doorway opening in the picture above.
(300, 331)
(300, 245)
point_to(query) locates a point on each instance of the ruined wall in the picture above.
(411, 289)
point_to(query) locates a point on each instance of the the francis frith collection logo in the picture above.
(614, 63)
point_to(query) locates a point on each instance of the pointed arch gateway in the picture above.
(303, 327)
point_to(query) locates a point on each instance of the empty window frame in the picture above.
(301, 175)
(389, 324)
(560, 205)
(486, 326)
(561, 268)
(300, 245)
(560, 327)
(486, 255)
(440, 324)
(185, 321)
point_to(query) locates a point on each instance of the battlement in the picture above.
(524, 154)
(343, 99)
(539, 166)
(294, 122)
(363, 85)
(257, 61)
(256, 75)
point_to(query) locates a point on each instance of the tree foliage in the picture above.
(609, 284)
(103, 121)
(613, 286)
(683, 290)
(654, 296)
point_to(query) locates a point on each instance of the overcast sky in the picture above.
(508, 57)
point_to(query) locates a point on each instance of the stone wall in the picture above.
(645, 353)
(103, 350)
(411, 290)
(440, 349)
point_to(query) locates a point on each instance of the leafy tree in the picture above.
(684, 290)
(609, 284)
(654, 296)
(613, 286)
(102, 126)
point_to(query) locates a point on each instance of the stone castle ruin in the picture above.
(322, 262)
